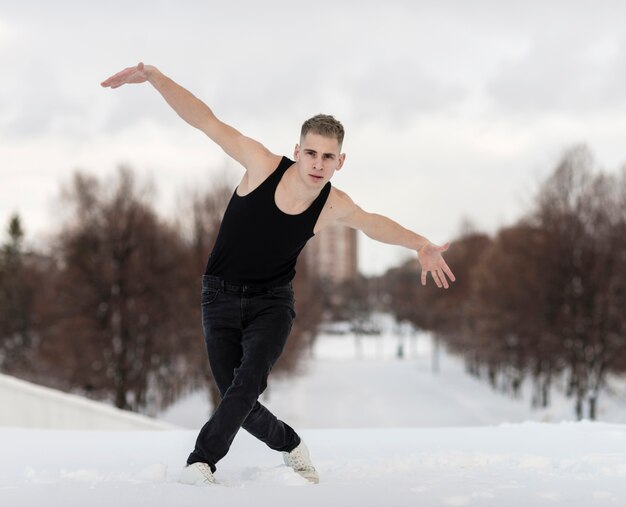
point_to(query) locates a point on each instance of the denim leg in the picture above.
(244, 338)
(271, 318)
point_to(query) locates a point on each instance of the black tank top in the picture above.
(257, 243)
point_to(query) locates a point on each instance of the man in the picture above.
(247, 297)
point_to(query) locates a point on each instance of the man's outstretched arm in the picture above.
(244, 150)
(385, 230)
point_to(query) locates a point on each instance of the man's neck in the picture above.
(294, 194)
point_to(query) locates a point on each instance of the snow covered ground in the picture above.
(382, 432)
(529, 464)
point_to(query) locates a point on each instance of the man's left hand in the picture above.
(431, 260)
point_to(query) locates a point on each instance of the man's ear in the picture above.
(296, 152)
(342, 159)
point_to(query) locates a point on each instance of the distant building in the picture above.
(332, 254)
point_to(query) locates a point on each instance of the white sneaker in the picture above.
(300, 461)
(197, 474)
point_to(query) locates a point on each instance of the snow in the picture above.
(381, 431)
(574, 464)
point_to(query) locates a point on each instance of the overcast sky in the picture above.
(452, 110)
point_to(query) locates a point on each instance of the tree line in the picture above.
(544, 298)
(112, 309)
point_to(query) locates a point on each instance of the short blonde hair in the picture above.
(324, 125)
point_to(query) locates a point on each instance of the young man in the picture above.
(247, 297)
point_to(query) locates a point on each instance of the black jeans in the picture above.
(245, 331)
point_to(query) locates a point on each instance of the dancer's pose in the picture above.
(247, 297)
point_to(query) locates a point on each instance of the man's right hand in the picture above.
(138, 74)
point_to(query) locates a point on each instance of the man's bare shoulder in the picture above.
(339, 201)
(338, 205)
(258, 170)
(262, 161)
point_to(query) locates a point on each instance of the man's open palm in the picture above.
(431, 260)
(136, 74)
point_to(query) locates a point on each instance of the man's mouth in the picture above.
(316, 177)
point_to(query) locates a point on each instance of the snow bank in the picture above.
(29, 405)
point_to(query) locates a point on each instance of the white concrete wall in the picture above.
(27, 405)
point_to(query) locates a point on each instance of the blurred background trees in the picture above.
(115, 326)
(543, 299)
(113, 310)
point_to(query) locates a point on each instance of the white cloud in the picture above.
(567, 75)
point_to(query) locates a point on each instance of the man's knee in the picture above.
(252, 378)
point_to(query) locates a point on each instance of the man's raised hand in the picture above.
(138, 74)
(431, 260)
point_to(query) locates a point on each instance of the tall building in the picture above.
(332, 254)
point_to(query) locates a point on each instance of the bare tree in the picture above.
(118, 330)
(575, 327)
(604, 219)
(509, 312)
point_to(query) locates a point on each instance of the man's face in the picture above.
(318, 158)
